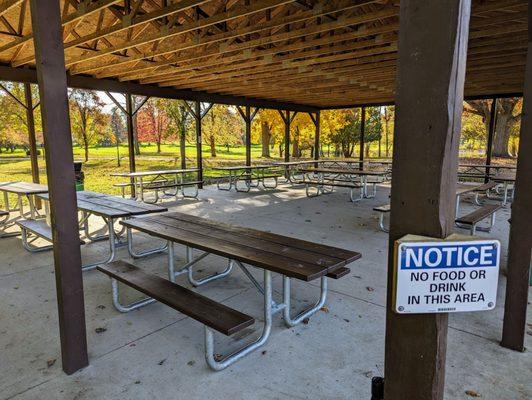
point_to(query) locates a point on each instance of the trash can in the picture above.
(79, 176)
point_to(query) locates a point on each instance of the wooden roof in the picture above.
(323, 53)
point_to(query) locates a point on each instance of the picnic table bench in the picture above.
(22, 190)
(324, 178)
(247, 174)
(109, 208)
(472, 219)
(156, 181)
(290, 257)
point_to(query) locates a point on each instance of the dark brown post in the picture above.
(287, 123)
(433, 38)
(130, 113)
(491, 134)
(50, 62)
(31, 133)
(520, 245)
(362, 134)
(317, 136)
(248, 121)
(199, 156)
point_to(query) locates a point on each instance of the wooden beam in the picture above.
(30, 119)
(430, 84)
(287, 121)
(199, 155)
(362, 136)
(46, 23)
(317, 123)
(520, 245)
(491, 135)
(130, 114)
(7, 5)
(111, 85)
(248, 121)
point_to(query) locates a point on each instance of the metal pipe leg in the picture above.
(145, 253)
(226, 361)
(198, 282)
(352, 195)
(31, 248)
(288, 320)
(112, 249)
(381, 223)
(309, 194)
(127, 307)
(194, 196)
(88, 235)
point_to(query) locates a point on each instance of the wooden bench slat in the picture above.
(131, 207)
(385, 208)
(172, 185)
(261, 259)
(479, 214)
(338, 273)
(249, 241)
(333, 183)
(37, 227)
(209, 312)
(321, 249)
(486, 186)
(3, 213)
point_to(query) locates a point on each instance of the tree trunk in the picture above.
(136, 136)
(86, 146)
(158, 146)
(212, 144)
(265, 139)
(502, 136)
(182, 149)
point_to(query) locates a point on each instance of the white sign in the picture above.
(446, 276)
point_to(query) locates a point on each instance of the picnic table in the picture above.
(22, 190)
(107, 207)
(291, 168)
(291, 258)
(158, 181)
(334, 176)
(247, 174)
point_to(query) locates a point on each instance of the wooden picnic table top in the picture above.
(291, 257)
(26, 188)
(345, 171)
(241, 167)
(109, 206)
(154, 173)
(487, 166)
(290, 163)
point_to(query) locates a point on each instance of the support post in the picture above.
(429, 95)
(199, 155)
(491, 135)
(130, 113)
(287, 122)
(51, 75)
(316, 121)
(30, 118)
(248, 121)
(362, 136)
(520, 245)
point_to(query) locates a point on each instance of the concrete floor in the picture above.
(158, 353)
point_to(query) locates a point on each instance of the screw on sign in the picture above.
(445, 276)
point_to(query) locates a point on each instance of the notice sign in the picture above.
(446, 276)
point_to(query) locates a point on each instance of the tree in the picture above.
(180, 122)
(388, 118)
(347, 136)
(118, 128)
(508, 114)
(373, 128)
(89, 123)
(269, 131)
(222, 124)
(152, 123)
(331, 121)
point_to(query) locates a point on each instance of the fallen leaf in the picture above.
(192, 362)
(51, 362)
(306, 321)
(325, 309)
(100, 330)
(162, 362)
(472, 393)
(101, 307)
(137, 382)
(218, 357)
(346, 320)
(369, 289)
(263, 352)
(368, 374)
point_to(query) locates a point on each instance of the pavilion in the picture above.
(295, 56)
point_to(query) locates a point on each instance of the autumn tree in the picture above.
(373, 128)
(222, 125)
(13, 120)
(508, 115)
(118, 129)
(330, 122)
(268, 131)
(89, 123)
(180, 123)
(152, 123)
